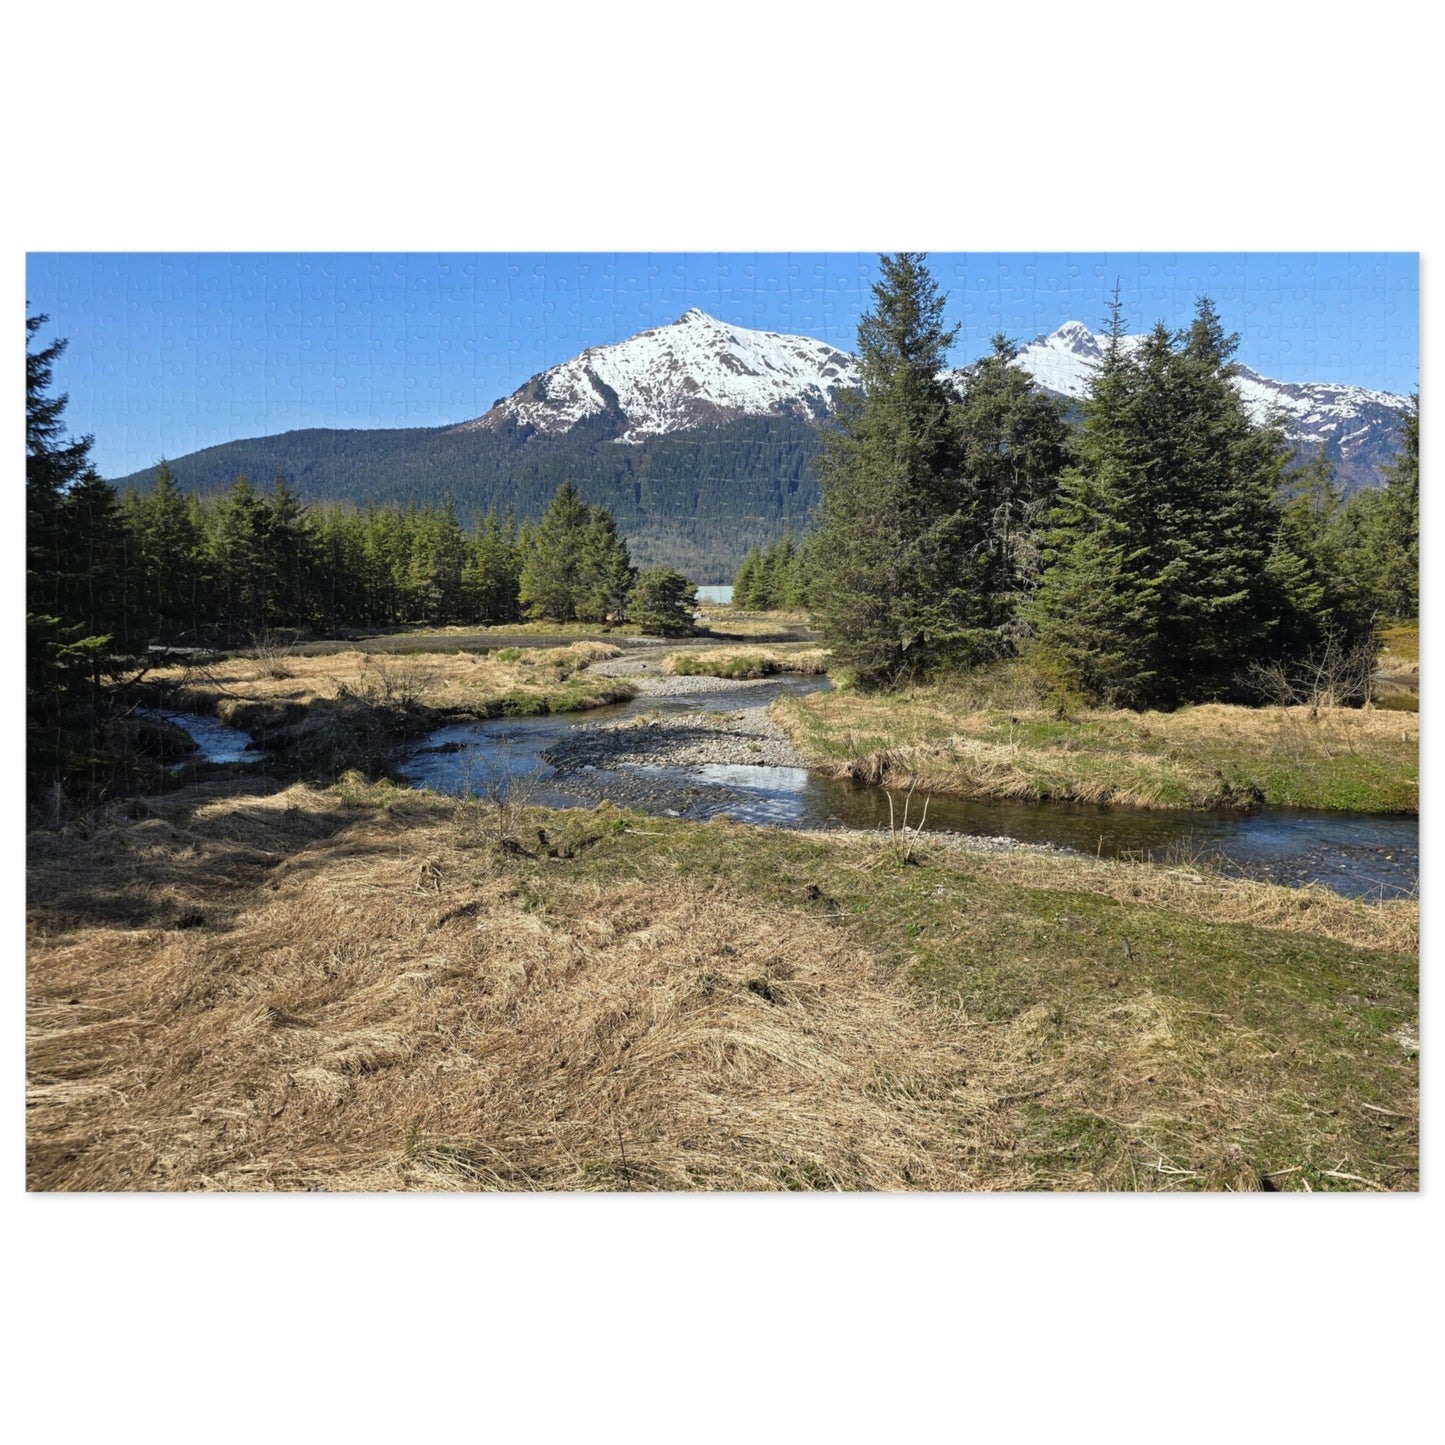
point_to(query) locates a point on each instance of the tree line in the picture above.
(235, 568)
(108, 575)
(695, 499)
(1152, 556)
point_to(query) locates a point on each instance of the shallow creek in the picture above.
(215, 741)
(710, 752)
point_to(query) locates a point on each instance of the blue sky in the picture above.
(170, 353)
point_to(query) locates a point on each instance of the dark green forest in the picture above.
(695, 500)
(111, 574)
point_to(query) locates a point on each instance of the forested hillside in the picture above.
(697, 500)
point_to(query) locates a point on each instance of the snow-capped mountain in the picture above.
(1361, 427)
(698, 371)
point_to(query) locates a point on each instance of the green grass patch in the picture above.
(1126, 1045)
(746, 663)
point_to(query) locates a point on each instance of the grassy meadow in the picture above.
(245, 985)
(1001, 734)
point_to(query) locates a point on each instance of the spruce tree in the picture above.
(1013, 446)
(745, 584)
(891, 530)
(1090, 617)
(340, 546)
(168, 553)
(495, 569)
(1318, 599)
(552, 557)
(290, 557)
(237, 548)
(798, 587)
(81, 618)
(1159, 586)
(1216, 520)
(605, 573)
(782, 561)
(1393, 553)
(663, 602)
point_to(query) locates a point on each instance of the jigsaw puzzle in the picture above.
(722, 721)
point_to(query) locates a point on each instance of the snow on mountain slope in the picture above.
(700, 371)
(696, 372)
(1361, 426)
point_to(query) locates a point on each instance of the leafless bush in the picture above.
(1337, 674)
(498, 786)
(269, 653)
(903, 840)
(403, 681)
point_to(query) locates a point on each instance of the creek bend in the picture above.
(698, 747)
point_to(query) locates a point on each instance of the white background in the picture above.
(755, 126)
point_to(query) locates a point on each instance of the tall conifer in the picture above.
(888, 589)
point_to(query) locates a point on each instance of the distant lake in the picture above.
(719, 596)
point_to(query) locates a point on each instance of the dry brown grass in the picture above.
(403, 1018)
(736, 622)
(1313, 910)
(948, 740)
(438, 680)
(276, 990)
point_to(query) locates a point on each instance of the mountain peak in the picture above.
(697, 371)
(1076, 337)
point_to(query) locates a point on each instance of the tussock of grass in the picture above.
(995, 737)
(745, 663)
(341, 989)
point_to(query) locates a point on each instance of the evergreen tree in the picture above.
(1090, 617)
(167, 545)
(289, 549)
(893, 527)
(495, 566)
(797, 587)
(237, 547)
(605, 573)
(782, 560)
(1013, 446)
(1217, 518)
(1390, 556)
(663, 603)
(1159, 586)
(550, 558)
(574, 563)
(340, 549)
(437, 569)
(746, 583)
(1317, 598)
(80, 622)
(387, 563)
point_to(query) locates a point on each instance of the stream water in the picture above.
(1357, 854)
(216, 742)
